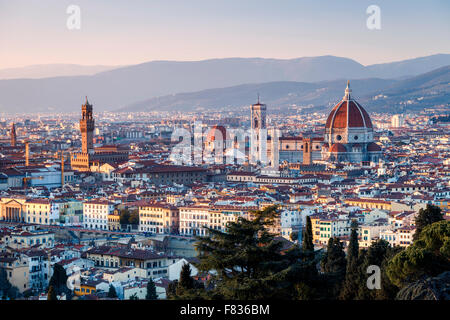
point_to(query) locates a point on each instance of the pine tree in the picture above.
(247, 260)
(186, 281)
(428, 256)
(151, 290)
(51, 295)
(112, 292)
(427, 216)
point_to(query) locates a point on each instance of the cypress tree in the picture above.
(186, 281)
(353, 276)
(112, 292)
(308, 245)
(333, 266)
(353, 246)
(151, 290)
(334, 259)
(5, 285)
(59, 280)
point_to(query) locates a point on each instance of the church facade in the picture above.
(348, 137)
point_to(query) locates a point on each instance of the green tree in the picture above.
(247, 260)
(172, 289)
(134, 217)
(112, 292)
(294, 236)
(151, 290)
(186, 281)
(333, 266)
(425, 217)
(428, 256)
(59, 280)
(51, 295)
(379, 253)
(5, 285)
(308, 245)
(353, 275)
(353, 245)
(334, 259)
(124, 217)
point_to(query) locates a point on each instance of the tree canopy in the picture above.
(425, 217)
(427, 256)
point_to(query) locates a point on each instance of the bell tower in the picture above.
(307, 150)
(258, 132)
(87, 125)
(13, 135)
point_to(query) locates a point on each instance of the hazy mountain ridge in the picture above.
(114, 89)
(51, 70)
(375, 94)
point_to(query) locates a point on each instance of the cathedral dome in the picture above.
(348, 114)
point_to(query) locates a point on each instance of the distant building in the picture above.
(397, 121)
(13, 135)
(82, 161)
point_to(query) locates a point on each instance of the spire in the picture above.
(347, 91)
(258, 99)
(87, 102)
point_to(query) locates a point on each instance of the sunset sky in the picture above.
(130, 32)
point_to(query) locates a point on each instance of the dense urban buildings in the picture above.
(127, 208)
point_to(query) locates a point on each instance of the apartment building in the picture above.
(17, 271)
(193, 220)
(158, 217)
(95, 214)
(41, 211)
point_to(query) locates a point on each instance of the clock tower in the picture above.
(87, 125)
(258, 133)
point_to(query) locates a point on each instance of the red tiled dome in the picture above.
(373, 147)
(348, 114)
(337, 147)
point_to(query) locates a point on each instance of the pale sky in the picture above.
(129, 32)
